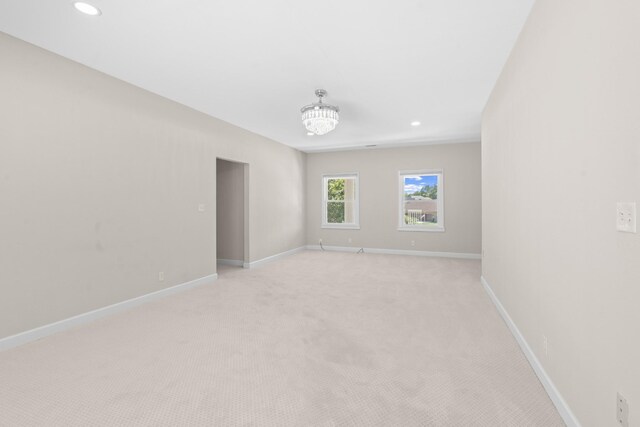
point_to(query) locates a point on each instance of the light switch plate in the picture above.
(626, 217)
(201, 207)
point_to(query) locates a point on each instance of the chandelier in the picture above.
(320, 118)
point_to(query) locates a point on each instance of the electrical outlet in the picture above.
(320, 240)
(622, 411)
(413, 243)
(545, 345)
(201, 207)
(349, 239)
(161, 276)
(626, 217)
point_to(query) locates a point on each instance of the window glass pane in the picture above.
(420, 199)
(335, 212)
(335, 189)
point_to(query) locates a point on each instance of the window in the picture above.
(421, 200)
(340, 201)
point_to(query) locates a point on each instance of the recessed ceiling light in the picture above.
(416, 123)
(310, 133)
(87, 8)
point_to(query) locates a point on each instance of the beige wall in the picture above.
(230, 210)
(560, 147)
(100, 183)
(379, 199)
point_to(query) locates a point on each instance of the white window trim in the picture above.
(356, 204)
(439, 227)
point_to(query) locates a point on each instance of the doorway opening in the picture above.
(232, 213)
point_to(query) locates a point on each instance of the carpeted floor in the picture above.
(315, 339)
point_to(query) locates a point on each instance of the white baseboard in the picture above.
(396, 252)
(62, 325)
(233, 262)
(262, 261)
(560, 404)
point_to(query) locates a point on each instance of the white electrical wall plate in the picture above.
(626, 217)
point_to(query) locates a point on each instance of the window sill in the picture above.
(438, 229)
(342, 226)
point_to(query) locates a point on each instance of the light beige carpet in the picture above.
(316, 339)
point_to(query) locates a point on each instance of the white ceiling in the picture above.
(255, 63)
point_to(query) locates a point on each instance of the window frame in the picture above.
(439, 226)
(356, 201)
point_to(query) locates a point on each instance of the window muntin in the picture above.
(421, 200)
(340, 201)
